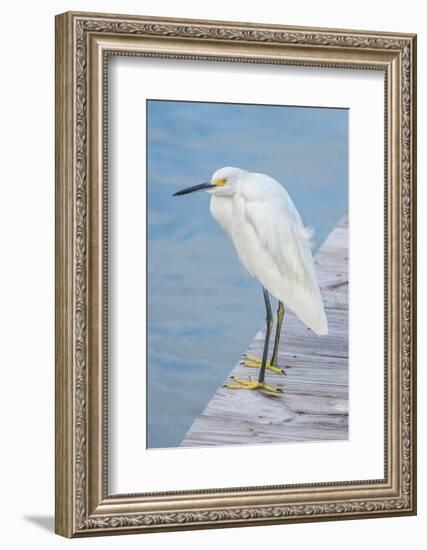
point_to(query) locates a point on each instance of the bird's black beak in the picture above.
(201, 187)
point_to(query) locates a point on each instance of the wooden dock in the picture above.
(314, 405)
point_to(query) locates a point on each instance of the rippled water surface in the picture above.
(203, 309)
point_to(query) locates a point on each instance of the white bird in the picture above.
(261, 220)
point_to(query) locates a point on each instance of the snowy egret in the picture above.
(258, 215)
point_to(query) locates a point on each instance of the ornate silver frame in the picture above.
(83, 505)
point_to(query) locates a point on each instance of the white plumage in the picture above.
(270, 239)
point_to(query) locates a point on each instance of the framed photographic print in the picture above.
(235, 274)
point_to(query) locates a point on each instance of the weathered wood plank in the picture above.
(314, 405)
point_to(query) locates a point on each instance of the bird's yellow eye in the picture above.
(220, 182)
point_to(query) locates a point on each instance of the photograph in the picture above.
(247, 274)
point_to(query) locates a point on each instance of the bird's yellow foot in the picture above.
(243, 384)
(255, 362)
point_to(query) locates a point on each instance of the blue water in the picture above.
(203, 309)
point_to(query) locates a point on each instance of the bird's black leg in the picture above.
(256, 362)
(269, 321)
(243, 384)
(280, 314)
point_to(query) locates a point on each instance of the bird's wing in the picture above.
(282, 235)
